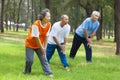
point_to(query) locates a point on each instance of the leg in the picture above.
(29, 60)
(50, 51)
(88, 51)
(44, 62)
(76, 44)
(62, 57)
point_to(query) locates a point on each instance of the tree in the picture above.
(117, 24)
(2, 14)
(18, 14)
(47, 3)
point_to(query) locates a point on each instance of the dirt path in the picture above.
(12, 35)
(22, 36)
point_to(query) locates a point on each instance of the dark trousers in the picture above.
(77, 41)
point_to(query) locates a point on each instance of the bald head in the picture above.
(64, 19)
(64, 16)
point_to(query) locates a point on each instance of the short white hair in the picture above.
(96, 13)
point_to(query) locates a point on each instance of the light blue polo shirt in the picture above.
(89, 25)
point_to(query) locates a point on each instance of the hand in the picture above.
(90, 45)
(43, 51)
(62, 48)
(89, 40)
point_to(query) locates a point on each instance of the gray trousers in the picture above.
(43, 59)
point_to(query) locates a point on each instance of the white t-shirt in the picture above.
(35, 31)
(59, 32)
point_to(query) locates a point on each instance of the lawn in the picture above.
(105, 65)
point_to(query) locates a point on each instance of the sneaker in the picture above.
(71, 58)
(67, 68)
(24, 72)
(51, 75)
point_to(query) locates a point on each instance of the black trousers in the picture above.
(77, 41)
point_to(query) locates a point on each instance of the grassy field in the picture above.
(105, 65)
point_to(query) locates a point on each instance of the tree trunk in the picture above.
(32, 12)
(88, 8)
(2, 14)
(14, 16)
(6, 14)
(47, 3)
(18, 15)
(117, 25)
(27, 18)
(99, 32)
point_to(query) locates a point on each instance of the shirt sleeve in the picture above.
(35, 31)
(85, 24)
(54, 30)
(97, 26)
(67, 32)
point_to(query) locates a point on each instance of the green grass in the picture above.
(20, 32)
(105, 65)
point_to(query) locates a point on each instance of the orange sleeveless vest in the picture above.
(30, 40)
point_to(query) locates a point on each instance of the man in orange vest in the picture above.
(36, 41)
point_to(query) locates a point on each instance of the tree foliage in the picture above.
(77, 10)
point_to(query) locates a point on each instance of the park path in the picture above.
(13, 35)
(20, 36)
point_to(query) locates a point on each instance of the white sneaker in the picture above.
(67, 68)
(51, 75)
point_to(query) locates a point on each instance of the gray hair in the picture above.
(43, 13)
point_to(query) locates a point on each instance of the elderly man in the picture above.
(57, 40)
(84, 34)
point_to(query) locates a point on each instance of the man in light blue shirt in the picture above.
(84, 34)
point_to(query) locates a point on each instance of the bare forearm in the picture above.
(38, 42)
(61, 46)
(65, 41)
(56, 41)
(89, 40)
(85, 34)
(46, 40)
(92, 35)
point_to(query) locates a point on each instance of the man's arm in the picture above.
(61, 46)
(86, 35)
(56, 41)
(92, 35)
(65, 41)
(89, 40)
